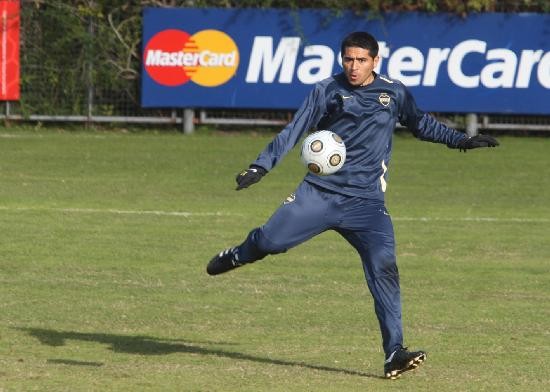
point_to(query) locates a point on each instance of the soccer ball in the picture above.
(323, 153)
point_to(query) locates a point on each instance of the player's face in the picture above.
(358, 66)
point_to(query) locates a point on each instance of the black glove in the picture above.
(477, 141)
(250, 176)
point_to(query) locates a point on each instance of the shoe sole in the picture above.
(411, 365)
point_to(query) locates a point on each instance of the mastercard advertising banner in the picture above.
(9, 50)
(270, 58)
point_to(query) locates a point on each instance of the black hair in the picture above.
(360, 39)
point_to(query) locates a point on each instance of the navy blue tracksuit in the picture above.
(351, 201)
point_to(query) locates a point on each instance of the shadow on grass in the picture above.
(147, 345)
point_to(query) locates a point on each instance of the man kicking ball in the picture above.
(363, 108)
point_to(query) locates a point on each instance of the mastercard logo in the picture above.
(208, 58)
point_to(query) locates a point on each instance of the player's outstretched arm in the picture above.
(476, 142)
(249, 176)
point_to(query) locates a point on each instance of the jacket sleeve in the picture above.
(305, 118)
(423, 125)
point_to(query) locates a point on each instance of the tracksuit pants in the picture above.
(365, 224)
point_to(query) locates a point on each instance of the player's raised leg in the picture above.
(301, 216)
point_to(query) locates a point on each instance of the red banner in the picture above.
(9, 50)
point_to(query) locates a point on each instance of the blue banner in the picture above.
(270, 58)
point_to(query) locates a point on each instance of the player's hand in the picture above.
(476, 142)
(250, 176)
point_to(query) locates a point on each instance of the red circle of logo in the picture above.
(161, 57)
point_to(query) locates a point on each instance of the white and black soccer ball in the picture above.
(323, 153)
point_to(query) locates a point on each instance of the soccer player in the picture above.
(362, 107)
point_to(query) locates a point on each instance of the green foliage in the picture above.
(54, 54)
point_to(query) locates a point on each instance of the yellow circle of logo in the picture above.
(216, 58)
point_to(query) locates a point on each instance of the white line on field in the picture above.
(219, 213)
(471, 219)
(118, 212)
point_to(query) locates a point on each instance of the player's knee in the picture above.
(384, 264)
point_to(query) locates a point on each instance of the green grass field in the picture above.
(105, 238)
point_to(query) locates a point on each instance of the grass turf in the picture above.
(105, 237)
